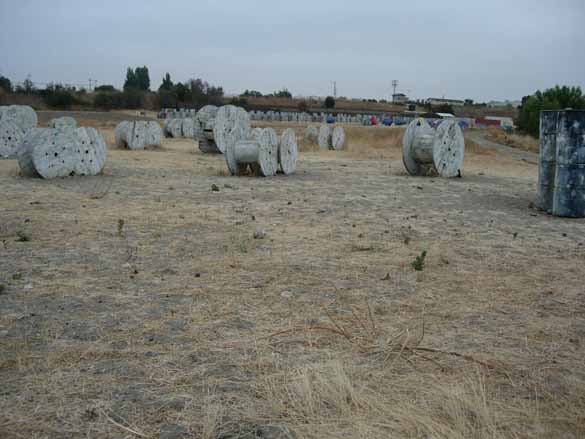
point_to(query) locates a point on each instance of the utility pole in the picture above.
(394, 85)
(334, 89)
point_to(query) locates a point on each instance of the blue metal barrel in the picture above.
(547, 159)
(569, 191)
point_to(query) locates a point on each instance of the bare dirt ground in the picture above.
(138, 303)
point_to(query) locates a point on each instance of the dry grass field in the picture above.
(138, 303)
(520, 141)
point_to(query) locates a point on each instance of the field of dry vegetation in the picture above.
(138, 303)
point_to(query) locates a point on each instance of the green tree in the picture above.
(167, 83)
(182, 92)
(105, 87)
(5, 84)
(556, 98)
(329, 102)
(203, 93)
(142, 78)
(284, 93)
(131, 81)
(251, 93)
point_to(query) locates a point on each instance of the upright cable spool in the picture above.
(426, 150)
(260, 152)
(227, 119)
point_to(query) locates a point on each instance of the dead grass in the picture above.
(142, 300)
(519, 141)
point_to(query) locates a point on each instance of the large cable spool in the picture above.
(259, 152)
(227, 118)
(139, 134)
(53, 152)
(426, 150)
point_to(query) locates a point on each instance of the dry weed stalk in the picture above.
(361, 331)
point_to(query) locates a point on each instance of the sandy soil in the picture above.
(138, 303)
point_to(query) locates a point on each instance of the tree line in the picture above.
(556, 98)
(135, 93)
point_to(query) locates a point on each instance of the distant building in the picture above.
(442, 101)
(506, 103)
(399, 98)
(504, 122)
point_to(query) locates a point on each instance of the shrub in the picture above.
(329, 102)
(555, 98)
(419, 262)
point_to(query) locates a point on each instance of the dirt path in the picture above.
(525, 156)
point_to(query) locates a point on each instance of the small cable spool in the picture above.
(426, 150)
(259, 151)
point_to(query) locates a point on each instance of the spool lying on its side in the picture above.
(53, 152)
(139, 134)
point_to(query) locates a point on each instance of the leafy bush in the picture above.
(59, 96)
(329, 102)
(116, 100)
(251, 94)
(105, 87)
(5, 84)
(556, 98)
(419, 262)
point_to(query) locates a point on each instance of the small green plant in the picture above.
(22, 237)
(419, 262)
(120, 227)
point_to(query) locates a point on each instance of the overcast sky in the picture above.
(495, 49)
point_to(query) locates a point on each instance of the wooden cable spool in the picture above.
(426, 150)
(260, 151)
